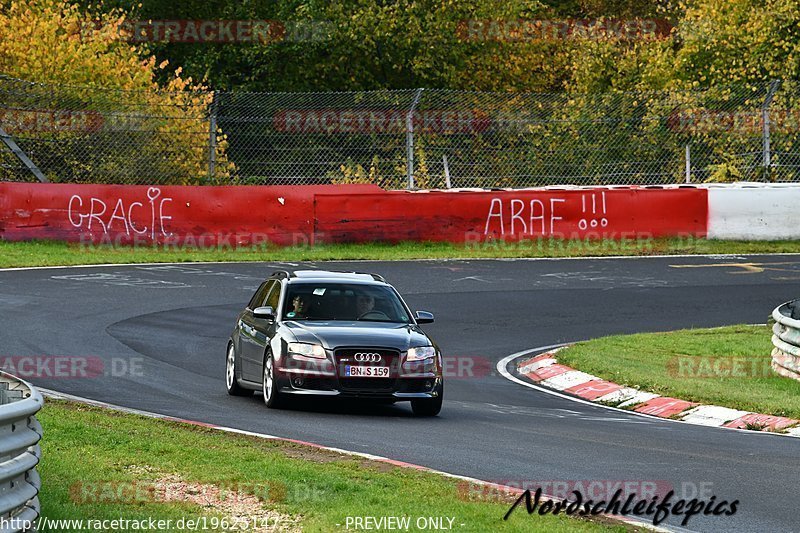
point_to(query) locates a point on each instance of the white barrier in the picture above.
(754, 212)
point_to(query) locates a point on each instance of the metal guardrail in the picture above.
(20, 434)
(786, 339)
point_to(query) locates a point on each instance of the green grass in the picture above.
(47, 253)
(720, 366)
(86, 447)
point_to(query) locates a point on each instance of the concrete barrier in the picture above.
(754, 211)
(247, 215)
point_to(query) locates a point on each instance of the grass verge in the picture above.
(727, 366)
(48, 253)
(106, 465)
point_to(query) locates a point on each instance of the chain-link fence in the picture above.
(397, 139)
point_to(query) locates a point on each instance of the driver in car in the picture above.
(364, 304)
(299, 307)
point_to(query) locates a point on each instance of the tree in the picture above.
(75, 53)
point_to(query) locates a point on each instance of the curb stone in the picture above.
(544, 369)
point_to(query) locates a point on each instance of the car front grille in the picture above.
(390, 358)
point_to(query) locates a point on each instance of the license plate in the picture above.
(366, 371)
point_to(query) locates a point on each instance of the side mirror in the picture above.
(265, 312)
(423, 317)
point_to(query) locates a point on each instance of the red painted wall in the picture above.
(512, 215)
(208, 216)
(169, 214)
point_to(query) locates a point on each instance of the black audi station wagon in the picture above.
(343, 334)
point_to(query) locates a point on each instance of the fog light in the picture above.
(297, 382)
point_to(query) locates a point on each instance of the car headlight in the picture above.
(307, 350)
(420, 353)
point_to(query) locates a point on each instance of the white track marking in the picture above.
(532, 367)
(429, 260)
(712, 415)
(640, 397)
(618, 396)
(568, 379)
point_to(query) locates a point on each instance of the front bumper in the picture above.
(407, 380)
(400, 389)
(399, 396)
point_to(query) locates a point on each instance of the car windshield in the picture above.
(341, 301)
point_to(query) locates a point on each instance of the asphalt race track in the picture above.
(161, 331)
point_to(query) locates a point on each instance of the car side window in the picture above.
(258, 296)
(274, 296)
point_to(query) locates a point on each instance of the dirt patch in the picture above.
(310, 453)
(237, 502)
(378, 466)
(242, 505)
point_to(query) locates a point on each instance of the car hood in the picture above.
(332, 335)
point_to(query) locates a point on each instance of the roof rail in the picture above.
(376, 277)
(280, 274)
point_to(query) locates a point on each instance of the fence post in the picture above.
(22, 156)
(765, 139)
(410, 139)
(688, 164)
(212, 135)
(447, 183)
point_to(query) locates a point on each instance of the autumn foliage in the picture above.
(628, 89)
(79, 65)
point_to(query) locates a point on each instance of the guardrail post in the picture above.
(410, 139)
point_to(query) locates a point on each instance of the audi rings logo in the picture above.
(367, 357)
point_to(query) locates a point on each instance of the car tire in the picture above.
(269, 383)
(428, 406)
(234, 389)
